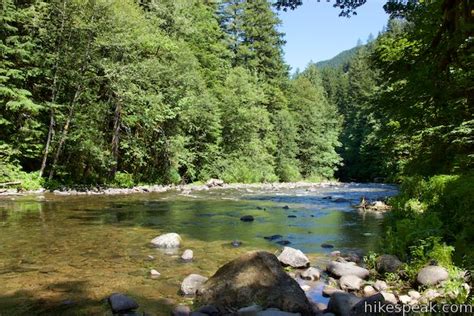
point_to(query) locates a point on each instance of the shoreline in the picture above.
(212, 184)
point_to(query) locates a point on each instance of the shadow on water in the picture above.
(67, 298)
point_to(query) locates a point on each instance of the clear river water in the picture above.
(64, 255)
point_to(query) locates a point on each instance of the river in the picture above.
(65, 254)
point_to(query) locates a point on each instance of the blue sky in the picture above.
(315, 32)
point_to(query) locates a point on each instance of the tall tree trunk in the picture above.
(64, 132)
(116, 136)
(53, 95)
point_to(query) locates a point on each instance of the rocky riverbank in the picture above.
(260, 283)
(215, 184)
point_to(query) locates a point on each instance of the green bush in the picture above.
(123, 180)
(439, 207)
(247, 170)
(27, 180)
(289, 173)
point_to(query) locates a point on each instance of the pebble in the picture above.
(154, 274)
(187, 255)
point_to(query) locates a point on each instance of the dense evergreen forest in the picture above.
(128, 92)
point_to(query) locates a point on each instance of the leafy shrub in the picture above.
(27, 180)
(439, 207)
(123, 180)
(247, 170)
(289, 173)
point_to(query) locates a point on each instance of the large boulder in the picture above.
(170, 240)
(388, 264)
(311, 274)
(342, 303)
(368, 306)
(432, 275)
(254, 277)
(293, 257)
(192, 283)
(340, 269)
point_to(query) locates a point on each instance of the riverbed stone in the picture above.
(369, 291)
(388, 264)
(120, 303)
(154, 274)
(342, 303)
(360, 309)
(170, 240)
(275, 312)
(273, 237)
(389, 297)
(311, 274)
(249, 310)
(294, 258)
(380, 285)
(192, 283)
(340, 269)
(254, 277)
(247, 218)
(181, 310)
(284, 242)
(414, 294)
(404, 299)
(432, 275)
(329, 290)
(236, 243)
(350, 282)
(212, 183)
(210, 310)
(187, 255)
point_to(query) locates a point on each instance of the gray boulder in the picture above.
(432, 275)
(388, 264)
(120, 303)
(192, 283)
(350, 283)
(181, 310)
(170, 240)
(254, 277)
(342, 303)
(340, 269)
(311, 274)
(293, 257)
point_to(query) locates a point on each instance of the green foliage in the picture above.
(12, 173)
(123, 180)
(430, 211)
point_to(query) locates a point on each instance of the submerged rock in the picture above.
(432, 275)
(286, 207)
(293, 257)
(120, 303)
(283, 242)
(327, 246)
(181, 310)
(192, 283)
(254, 277)
(273, 237)
(236, 243)
(347, 268)
(247, 218)
(170, 240)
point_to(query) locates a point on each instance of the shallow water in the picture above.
(66, 254)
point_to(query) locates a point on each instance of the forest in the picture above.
(120, 93)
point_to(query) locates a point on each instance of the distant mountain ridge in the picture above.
(340, 59)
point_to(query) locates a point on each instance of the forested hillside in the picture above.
(340, 60)
(126, 92)
(407, 106)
